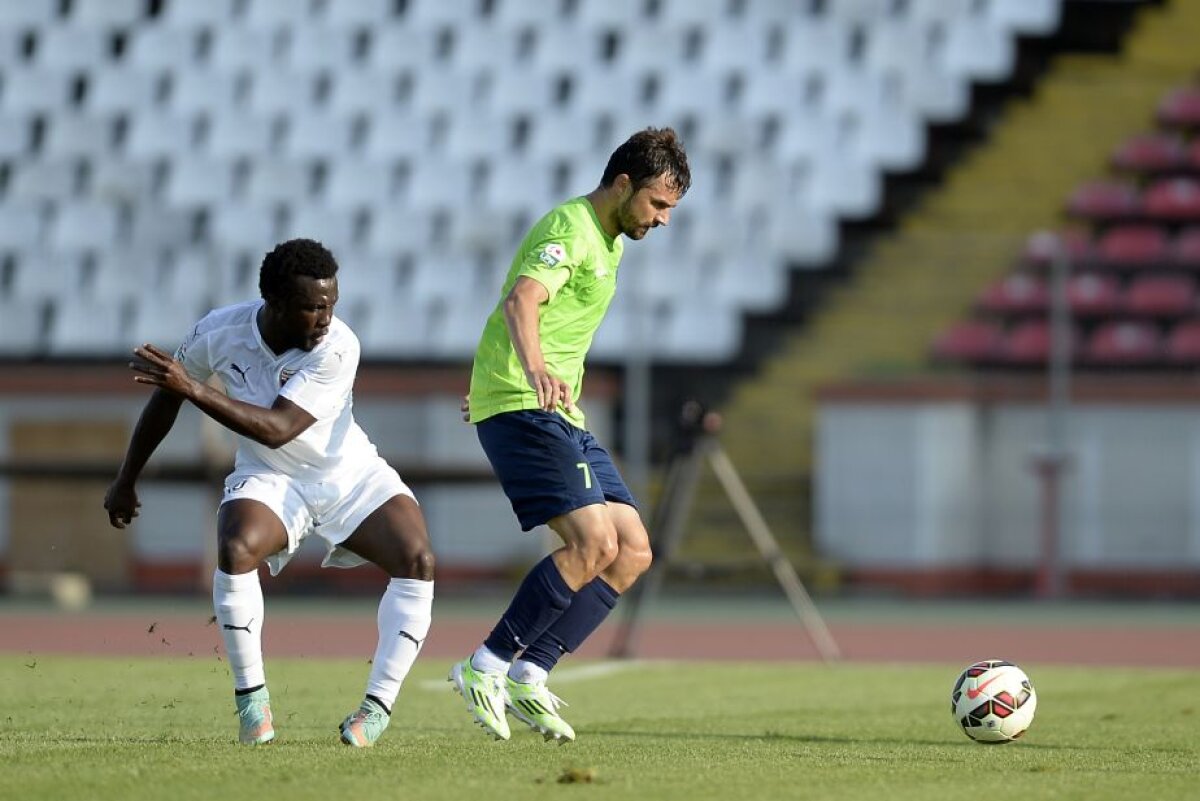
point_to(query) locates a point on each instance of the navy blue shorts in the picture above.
(547, 466)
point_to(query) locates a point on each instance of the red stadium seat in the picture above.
(1125, 343)
(1093, 295)
(1181, 107)
(1133, 246)
(1183, 343)
(1018, 293)
(1161, 296)
(1185, 252)
(1028, 344)
(1151, 153)
(1041, 247)
(1173, 199)
(1104, 200)
(1193, 154)
(970, 341)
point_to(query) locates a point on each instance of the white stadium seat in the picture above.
(199, 181)
(84, 326)
(164, 323)
(71, 48)
(243, 227)
(36, 90)
(163, 48)
(21, 225)
(313, 135)
(236, 49)
(213, 14)
(79, 135)
(398, 135)
(360, 13)
(85, 226)
(276, 180)
(276, 14)
(431, 13)
(15, 135)
(118, 179)
(609, 13)
(360, 183)
(122, 89)
(237, 134)
(320, 48)
(21, 327)
(282, 91)
(979, 51)
(396, 47)
(201, 91)
(160, 135)
(44, 179)
(1034, 17)
(337, 229)
(106, 13)
(23, 14)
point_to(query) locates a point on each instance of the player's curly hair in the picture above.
(648, 154)
(293, 258)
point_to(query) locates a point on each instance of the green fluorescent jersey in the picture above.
(570, 254)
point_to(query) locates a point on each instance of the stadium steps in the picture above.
(912, 284)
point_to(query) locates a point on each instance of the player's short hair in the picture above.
(648, 154)
(290, 259)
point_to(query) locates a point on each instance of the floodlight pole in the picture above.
(1052, 464)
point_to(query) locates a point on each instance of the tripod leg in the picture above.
(667, 530)
(765, 541)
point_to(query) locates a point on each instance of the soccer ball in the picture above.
(993, 701)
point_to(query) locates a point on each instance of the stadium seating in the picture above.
(970, 341)
(1132, 246)
(1132, 288)
(1183, 344)
(187, 132)
(1124, 344)
(1161, 296)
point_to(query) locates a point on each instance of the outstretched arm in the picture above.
(152, 427)
(273, 427)
(521, 314)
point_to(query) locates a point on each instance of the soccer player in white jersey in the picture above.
(303, 468)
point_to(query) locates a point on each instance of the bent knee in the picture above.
(637, 560)
(241, 552)
(421, 562)
(599, 551)
(409, 558)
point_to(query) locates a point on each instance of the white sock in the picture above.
(527, 672)
(238, 602)
(404, 615)
(485, 659)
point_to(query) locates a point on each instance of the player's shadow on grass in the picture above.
(769, 736)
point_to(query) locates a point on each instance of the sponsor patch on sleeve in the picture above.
(552, 254)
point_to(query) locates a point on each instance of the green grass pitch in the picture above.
(130, 729)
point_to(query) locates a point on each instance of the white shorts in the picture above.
(332, 509)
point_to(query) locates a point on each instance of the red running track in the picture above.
(175, 635)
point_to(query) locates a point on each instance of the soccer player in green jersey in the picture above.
(525, 387)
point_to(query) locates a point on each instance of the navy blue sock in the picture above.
(588, 609)
(540, 600)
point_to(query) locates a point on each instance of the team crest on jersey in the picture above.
(284, 375)
(552, 254)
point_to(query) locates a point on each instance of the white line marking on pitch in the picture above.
(565, 675)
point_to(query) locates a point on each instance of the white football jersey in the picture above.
(227, 342)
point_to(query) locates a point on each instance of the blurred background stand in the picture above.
(698, 443)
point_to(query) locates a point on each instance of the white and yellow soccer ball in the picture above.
(993, 701)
